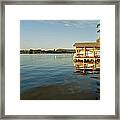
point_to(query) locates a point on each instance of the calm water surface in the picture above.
(53, 69)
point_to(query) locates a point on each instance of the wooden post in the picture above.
(84, 51)
(94, 59)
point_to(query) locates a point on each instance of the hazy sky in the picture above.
(47, 34)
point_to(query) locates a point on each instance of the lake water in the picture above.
(51, 70)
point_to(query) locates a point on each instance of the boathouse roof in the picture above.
(87, 44)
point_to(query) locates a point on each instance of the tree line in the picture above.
(39, 51)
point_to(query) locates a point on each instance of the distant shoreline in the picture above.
(44, 53)
(39, 51)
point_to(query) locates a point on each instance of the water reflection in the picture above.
(90, 69)
(87, 67)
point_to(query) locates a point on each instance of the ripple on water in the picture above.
(45, 70)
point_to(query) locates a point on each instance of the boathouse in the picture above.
(87, 55)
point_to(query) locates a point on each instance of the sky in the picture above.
(49, 34)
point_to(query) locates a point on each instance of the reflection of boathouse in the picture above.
(87, 56)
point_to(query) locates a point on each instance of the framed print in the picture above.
(60, 59)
